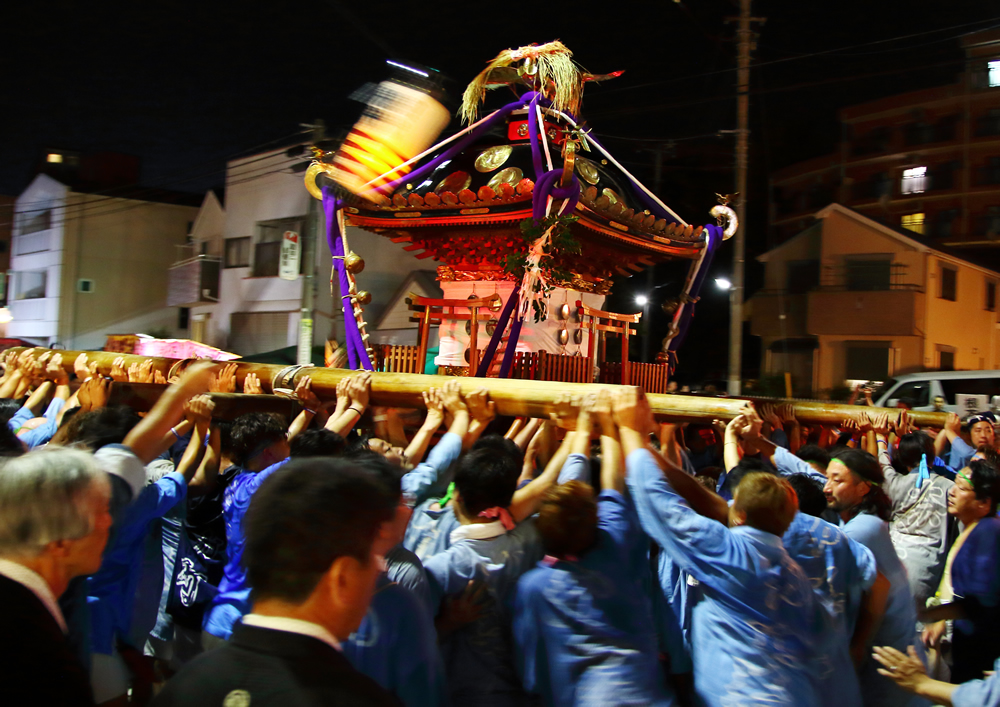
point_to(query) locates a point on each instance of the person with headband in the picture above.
(854, 491)
(970, 589)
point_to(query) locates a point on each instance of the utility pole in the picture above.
(309, 237)
(745, 40)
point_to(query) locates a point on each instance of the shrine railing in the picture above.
(544, 366)
(651, 377)
(395, 358)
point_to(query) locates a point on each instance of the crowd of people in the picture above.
(360, 555)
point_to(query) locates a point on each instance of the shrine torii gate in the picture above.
(603, 323)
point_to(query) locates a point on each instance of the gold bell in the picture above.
(354, 263)
(363, 297)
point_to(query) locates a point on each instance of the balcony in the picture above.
(194, 281)
(865, 313)
(769, 306)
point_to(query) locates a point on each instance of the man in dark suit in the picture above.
(309, 558)
(54, 523)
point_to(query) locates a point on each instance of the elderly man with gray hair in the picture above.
(54, 523)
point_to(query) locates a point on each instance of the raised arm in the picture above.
(198, 411)
(528, 498)
(482, 411)
(310, 406)
(417, 447)
(356, 392)
(612, 463)
(527, 432)
(145, 438)
(424, 481)
(699, 545)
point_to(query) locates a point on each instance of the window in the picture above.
(54, 158)
(949, 282)
(31, 285)
(993, 69)
(914, 180)
(946, 360)
(84, 285)
(969, 386)
(803, 275)
(267, 249)
(237, 252)
(919, 392)
(944, 223)
(991, 296)
(914, 222)
(867, 360)
(35, 222)
(867, 275)
(183, 317)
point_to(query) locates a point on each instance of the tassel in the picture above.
(556, 76)
(923, 474)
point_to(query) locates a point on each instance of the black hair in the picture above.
(486, 479)
(499, 444)
(985, 482)
(303, 518)
(225, 432)
(866, 467)
(812, 500)
(814, 453)
(383, 470)
(746, 466)
(8, 408)
(254, 432)
(108, 425)
(359, 445)
(911, 448)
(317, 443)
(10, 445)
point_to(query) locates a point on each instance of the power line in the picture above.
(804, 56)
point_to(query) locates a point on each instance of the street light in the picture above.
(641, 300)
(723, 283)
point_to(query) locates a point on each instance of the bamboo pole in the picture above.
(513, 397)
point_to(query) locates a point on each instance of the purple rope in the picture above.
(491, 348)
(508, 355)
(687, 310)
(640, 194)
(417, 175)
(356, 352)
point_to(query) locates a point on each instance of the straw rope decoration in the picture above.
(556, 76)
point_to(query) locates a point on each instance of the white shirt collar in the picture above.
(38, 586)
(283, 623)
(477, 531)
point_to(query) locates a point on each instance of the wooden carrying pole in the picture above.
(512, 397)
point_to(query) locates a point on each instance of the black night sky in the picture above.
(187, 85)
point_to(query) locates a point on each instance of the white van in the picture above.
(963, 392)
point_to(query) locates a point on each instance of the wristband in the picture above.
(309, 411)
(176, 436)
(360, 411)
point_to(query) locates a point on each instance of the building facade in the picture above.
(84, 265)
(927, 161)
(256, 310)
(850, 299)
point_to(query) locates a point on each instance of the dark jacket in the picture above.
(277, 669)
(37, 664)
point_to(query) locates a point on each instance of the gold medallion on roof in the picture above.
(454, 182)
(511, 175)
(492, 158)
(587, 170)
